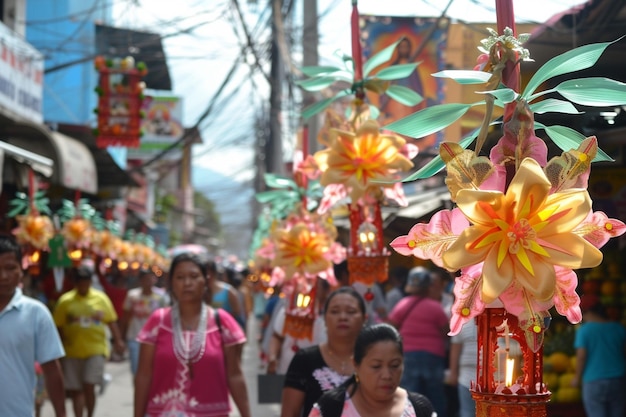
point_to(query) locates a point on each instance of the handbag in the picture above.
(270, 388)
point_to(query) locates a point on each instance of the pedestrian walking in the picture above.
(320, 368)
(140, 302)
(600, 361)
(374, 388)
(423, 325)
(82, 316)
(189, 355)
(27, 336)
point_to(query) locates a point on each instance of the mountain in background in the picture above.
(233, 202)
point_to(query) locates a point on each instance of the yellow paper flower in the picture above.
(522, 235)
(35, 230)
(358, 159)
(301, 250)
(77, 232)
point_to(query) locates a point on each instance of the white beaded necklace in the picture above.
(192, 352)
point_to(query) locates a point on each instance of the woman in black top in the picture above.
(317, 369)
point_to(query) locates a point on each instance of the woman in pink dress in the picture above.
(189, 359)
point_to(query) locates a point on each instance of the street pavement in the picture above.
(117, 399)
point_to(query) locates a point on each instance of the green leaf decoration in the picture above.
(396, 72)
(593, 91)
(429, 120)
(278, 181)
(379, 58)
(436, 164)
(19, 207)
(553, 105)
(276, 195)
(567, 138)
(404, 95)
(315, 108)
(576, 59)
(98, 222)
(317, 83)
(314, 71)
(464, 77)
(503, 95)
(374, 112)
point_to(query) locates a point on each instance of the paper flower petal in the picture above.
(598, 228)
(467, 301)
(430, 241)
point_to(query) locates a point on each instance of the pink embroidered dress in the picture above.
(174, 390)
(349, 410)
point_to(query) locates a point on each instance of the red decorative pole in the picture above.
(498, 392)
(368, 260)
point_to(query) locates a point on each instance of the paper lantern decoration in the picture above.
(120, 98)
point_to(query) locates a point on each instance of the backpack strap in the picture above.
(421, 405)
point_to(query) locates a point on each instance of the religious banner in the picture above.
(161, 126)
(422, 40)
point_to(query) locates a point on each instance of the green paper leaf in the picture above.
(17, 209)
(576, 59)
(317, 83)
(277, 181)
(429, 120)
(567, 138)
(404, 95)
(374, 112)
(464, 77)
(554, 105)
(314, 71)
(315, 108)
(379, 58)
(594, 91)
(437, 164)
(503, 95)
(396, 72)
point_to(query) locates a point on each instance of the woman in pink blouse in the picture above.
(189, 359)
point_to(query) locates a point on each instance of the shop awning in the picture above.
(74, 165)
(38, 163)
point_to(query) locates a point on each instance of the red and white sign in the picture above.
(21, 77)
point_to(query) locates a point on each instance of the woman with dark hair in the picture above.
(423, 325)
(320, 368)
(189, 356)
(374, 389)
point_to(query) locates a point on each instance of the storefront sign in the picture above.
(21, 77)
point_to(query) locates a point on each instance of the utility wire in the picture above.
(250, 43)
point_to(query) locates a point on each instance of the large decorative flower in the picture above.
(301, 250)
(522, 235)
(358, 160)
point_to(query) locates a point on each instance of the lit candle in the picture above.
(510, 365)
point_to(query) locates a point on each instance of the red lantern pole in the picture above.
(527, 395)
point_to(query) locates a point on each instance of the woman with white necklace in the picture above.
(189, 358)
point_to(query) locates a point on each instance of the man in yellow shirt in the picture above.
(82, 316)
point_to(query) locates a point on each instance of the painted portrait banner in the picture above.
(423, 40)
(161, 126)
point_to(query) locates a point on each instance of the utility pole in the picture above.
(310, 40)
(273, 146)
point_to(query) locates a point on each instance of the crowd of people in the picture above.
(184, 340)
